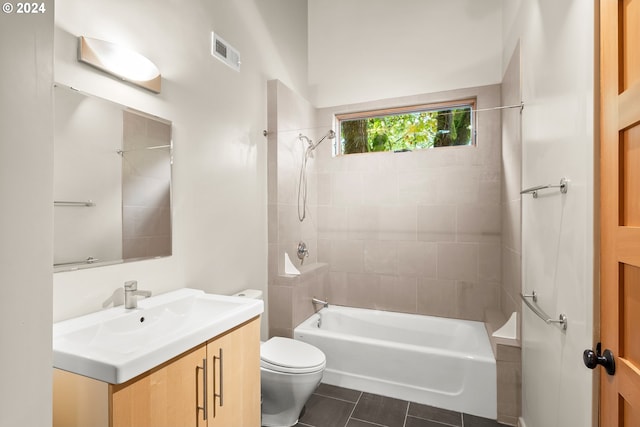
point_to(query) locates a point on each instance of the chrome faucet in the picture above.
(315, 301)
(130, 293)
(303, 252)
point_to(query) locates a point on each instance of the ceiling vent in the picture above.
(224, 52)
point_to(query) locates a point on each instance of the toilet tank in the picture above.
(257, 294)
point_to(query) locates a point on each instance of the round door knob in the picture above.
(592, 359)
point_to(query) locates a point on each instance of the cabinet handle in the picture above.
(204, 388)
(221, 382)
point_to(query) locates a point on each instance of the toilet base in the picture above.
(304, 409)
(284, 397)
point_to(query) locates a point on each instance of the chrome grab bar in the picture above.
(563, 186)
(562, 318)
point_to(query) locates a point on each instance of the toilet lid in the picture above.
(291, 356)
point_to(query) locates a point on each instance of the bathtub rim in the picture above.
(486, 354)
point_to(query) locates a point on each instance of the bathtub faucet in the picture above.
(315, 300)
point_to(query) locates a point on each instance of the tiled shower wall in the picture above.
(289, 297)
(511, 186)
(416, 232)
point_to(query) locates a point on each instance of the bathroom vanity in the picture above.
(213, 383)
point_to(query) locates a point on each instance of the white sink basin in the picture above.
(118, 344)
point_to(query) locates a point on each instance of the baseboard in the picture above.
(521, 422)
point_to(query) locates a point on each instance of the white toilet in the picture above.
(290, 371)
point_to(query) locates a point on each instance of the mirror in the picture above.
(112, 182)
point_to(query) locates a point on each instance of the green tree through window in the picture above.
(407, 128)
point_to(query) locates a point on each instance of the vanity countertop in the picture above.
(117, 344)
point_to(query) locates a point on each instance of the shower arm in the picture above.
(311, 145)
(331, 134)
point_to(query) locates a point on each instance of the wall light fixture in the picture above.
(120, 62)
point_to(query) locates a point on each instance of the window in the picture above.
(407, 128)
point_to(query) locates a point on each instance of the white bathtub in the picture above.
(441, 362)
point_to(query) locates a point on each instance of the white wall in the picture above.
(219, 175)
(362, 50)
(557, 47)
(26, 220)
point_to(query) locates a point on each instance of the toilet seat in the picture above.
(290, 356)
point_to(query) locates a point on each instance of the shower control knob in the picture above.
(592, 359)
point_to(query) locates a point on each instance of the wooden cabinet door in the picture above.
(234, 378)
(620, 210)
(167, 396)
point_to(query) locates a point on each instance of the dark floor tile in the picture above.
(338, 392)
(381, 410)
(359, 423)
(432, 413)
(324, 411)
(473, 421)
(420, 422)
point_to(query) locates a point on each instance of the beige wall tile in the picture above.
(280, 307)
(474, 299)
(509, 389)
(416, 187)
(458, 261)
(437, 297)
(381, 189)
(398, 293)
(458, 185)
(380, 257)
(362, 222)
(479, 223)
(347, 255)
(362, 290)
(398, 223)
(489, 262)
(347, 188)
(337, 288)
(332, 222)
(417, 259)
(436, 223)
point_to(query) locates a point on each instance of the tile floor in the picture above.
(332, 406)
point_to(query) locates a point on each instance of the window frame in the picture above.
(407, 109)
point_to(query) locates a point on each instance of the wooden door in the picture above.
(167, 396)
(234, 381)
(620, 210)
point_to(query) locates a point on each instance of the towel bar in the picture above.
(563, 186)
(562, 318)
